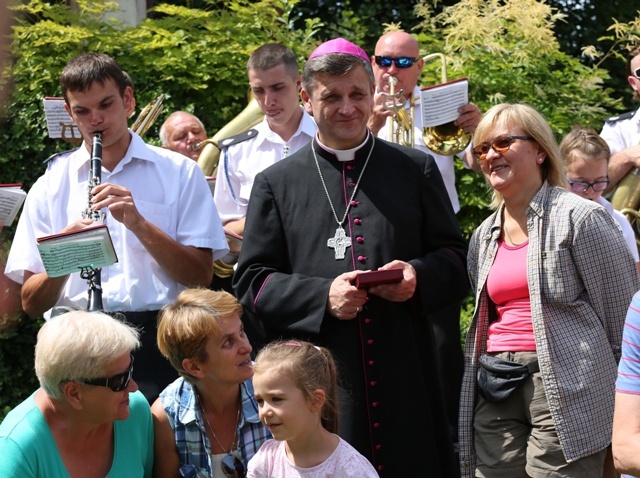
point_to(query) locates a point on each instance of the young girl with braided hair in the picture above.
(295, 386)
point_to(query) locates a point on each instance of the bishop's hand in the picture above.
(399, 291)
(345, 300)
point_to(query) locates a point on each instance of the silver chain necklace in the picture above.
(340, 241)
(235, 433)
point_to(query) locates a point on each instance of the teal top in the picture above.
(29, 450)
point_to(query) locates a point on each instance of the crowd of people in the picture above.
(332, 347)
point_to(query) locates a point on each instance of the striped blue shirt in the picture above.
(187, 422)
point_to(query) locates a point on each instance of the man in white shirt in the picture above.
(622, 133)
(401, 52)
(274, 79)
(153, 199)
(397, 54)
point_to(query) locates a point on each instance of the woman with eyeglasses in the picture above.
(553, 279)
(87, 419)
(586, 156)
(206, 422)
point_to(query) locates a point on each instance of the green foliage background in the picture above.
(197, 58)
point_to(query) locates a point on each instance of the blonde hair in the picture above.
(533, 124)
(185, 325)
(586, 142)
(80, 345)
(310, 368)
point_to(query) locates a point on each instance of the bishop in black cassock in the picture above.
(391, 405)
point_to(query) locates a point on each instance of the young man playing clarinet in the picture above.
(154, 202)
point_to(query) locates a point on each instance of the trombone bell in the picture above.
(445, 139)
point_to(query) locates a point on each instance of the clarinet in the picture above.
(89, 273)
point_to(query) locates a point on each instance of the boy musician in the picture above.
(154, 202)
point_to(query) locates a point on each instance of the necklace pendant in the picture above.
(339, 243)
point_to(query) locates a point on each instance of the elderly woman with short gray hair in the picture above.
(87, 419)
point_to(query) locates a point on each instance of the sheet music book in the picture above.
(68, 252)
(440, 103)
(57, 118)
(11, 198)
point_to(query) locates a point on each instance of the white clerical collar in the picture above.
(343, 155)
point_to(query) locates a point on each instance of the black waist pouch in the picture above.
(499, 378)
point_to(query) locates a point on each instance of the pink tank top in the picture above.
(508, 288)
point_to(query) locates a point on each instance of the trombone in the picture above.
(446, 139)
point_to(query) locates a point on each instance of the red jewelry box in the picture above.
(364, 280)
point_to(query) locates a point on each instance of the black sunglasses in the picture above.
(117, 383)
(400, 61)
(232, 466)
(500, 145)
(583, 187)
(636, 73)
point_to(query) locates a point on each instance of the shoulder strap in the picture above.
(623, 116)
(238, 138)
(54, 156)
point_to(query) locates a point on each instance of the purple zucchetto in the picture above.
(339, 45)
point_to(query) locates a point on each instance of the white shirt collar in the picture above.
(344, 155)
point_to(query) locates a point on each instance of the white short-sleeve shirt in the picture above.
(244, 160)
(168, 189)
(622, 133)
(445, 163)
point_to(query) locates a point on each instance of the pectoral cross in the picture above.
(339, 242)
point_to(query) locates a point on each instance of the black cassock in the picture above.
(391, 407)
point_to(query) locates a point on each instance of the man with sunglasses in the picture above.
(398, 54)
(622, 133)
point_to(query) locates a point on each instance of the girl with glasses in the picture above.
(553, 278)
(87, 419)
(586, 157)
(296, 390)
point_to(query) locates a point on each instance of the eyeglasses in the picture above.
(500, 145)
(582, 187)
(400, 61)
(117, 383)
(636, 73)
(232, 466)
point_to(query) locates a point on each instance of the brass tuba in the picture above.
(626, 199)
(445, 139)
(210, 155)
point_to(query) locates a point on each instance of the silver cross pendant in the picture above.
(339, 243)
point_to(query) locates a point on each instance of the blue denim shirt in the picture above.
(180, 404)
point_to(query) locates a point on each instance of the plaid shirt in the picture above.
(193, 445)
(581, 280)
